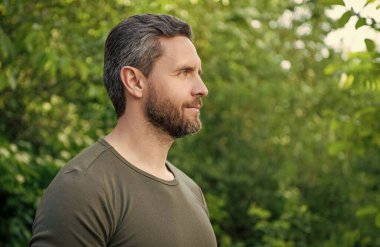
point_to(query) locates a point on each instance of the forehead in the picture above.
(178, 51)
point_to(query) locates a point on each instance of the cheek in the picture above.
(172, 89)
(175, 94)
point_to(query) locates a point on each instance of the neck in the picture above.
(143, 145)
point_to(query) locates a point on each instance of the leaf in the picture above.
(330, 69)
(332, 2)
(344, 19)
(259, 212)
(370, 44)
(360, 22)
(369, 2)
(366, 211)
(346, 81)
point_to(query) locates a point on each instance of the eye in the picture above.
(184, 72)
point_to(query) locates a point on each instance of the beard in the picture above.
(169, 118)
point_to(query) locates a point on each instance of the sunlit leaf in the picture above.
(366, 211)
(331, 2)
(369, 2)
(360, 22)
(346, 81)
(344, 18)
(370, 44)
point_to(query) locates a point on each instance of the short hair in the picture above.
(135, 42)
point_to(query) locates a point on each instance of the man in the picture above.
(121, 191)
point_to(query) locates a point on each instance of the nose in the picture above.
(200, 88)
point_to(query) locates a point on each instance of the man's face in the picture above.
(175, 89)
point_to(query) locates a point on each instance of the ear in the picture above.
(133, 80)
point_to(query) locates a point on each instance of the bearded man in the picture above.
(121, 191)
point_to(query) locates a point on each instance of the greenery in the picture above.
(290, 151)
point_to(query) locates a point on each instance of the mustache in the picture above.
(195, 103)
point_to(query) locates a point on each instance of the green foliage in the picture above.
(290, 148)
(362, 68)
(331, 2)
(344, 19)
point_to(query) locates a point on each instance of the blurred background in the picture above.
(290, 150)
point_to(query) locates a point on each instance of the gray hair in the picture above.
(134, 42)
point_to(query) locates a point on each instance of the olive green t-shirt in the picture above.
(100, 199)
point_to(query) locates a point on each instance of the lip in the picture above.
(194, 108)
(195, 105)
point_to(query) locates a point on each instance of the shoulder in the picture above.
(93, 165)
(81, 175)
(96, 171)
(85, 159)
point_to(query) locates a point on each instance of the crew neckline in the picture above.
(140, 171)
